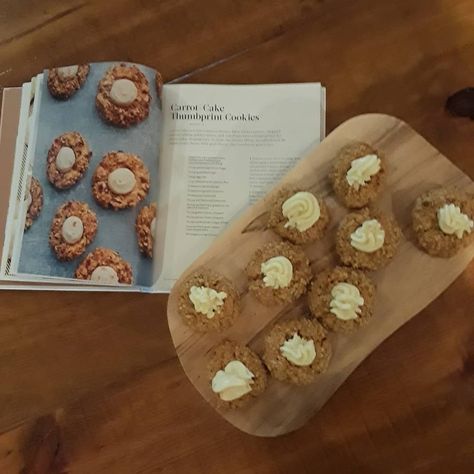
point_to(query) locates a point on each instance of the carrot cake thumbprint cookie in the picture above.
(278, 273)
(121, 180)
(158, 84)
(357, 175)
(443, 221)
(106, 267)
(367, 239)
(123, 97)
(73, 228)
(342, 299)
(34, 202)
(63, 82)
(298, 216)
(68, 160)
(208, 301)
(145, 228)
(236, 374)
(296, 351)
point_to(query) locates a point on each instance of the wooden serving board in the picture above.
(409, 283)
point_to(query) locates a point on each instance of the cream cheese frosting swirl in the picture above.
(346, 301)
(233, 382)
(368, 237)
(452, 221)
(206, 300)
(302, 210)
(277, 271)
(361, 170)
(298, 350)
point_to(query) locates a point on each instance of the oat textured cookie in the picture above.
(145, 225)
(367, 239)
(73, 228)
(278, 273)
(236, 374)
(208, 301)
(296, 351)
(158, 83)
(121, 180)
(34, 198)
(63, 82)
(357, 175)
(342, 299)
(298, 216)
(105, 266)
(68, 159)
(443, 221)
(123, 97)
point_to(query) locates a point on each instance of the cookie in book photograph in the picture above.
(34, 199)
(357, 175)
(208, 301)
(105, 266)
(68, 159)
(121, 180)
(145, 229)
(278, 273)
(342, 299)
(158, 84)
(123, 96)
(298, 215)
(73, 228)
(64, 82)
(297, 351)
(443, 221)
(236, 374)
(367, 239)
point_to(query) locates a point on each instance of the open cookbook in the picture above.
(111, 180)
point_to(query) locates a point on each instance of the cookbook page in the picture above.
(94, 155)
(223, 147)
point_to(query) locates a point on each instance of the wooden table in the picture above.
(97, 375)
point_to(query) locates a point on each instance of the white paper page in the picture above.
(16, 212)
(224, 147)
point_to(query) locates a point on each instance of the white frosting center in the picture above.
(346, 301)
(121, 181)
(298, 350)
(104, 274)
(452, 221)
(277, 271)
(233, 382)
(72, 229)
(67, 72)
(123, 92)
(65, 159)
(302, 210)
(361, 170)
(206, 300)
(368, 237)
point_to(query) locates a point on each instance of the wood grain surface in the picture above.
(409, 283)
(91, 384)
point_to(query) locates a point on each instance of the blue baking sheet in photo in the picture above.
(116, 229)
